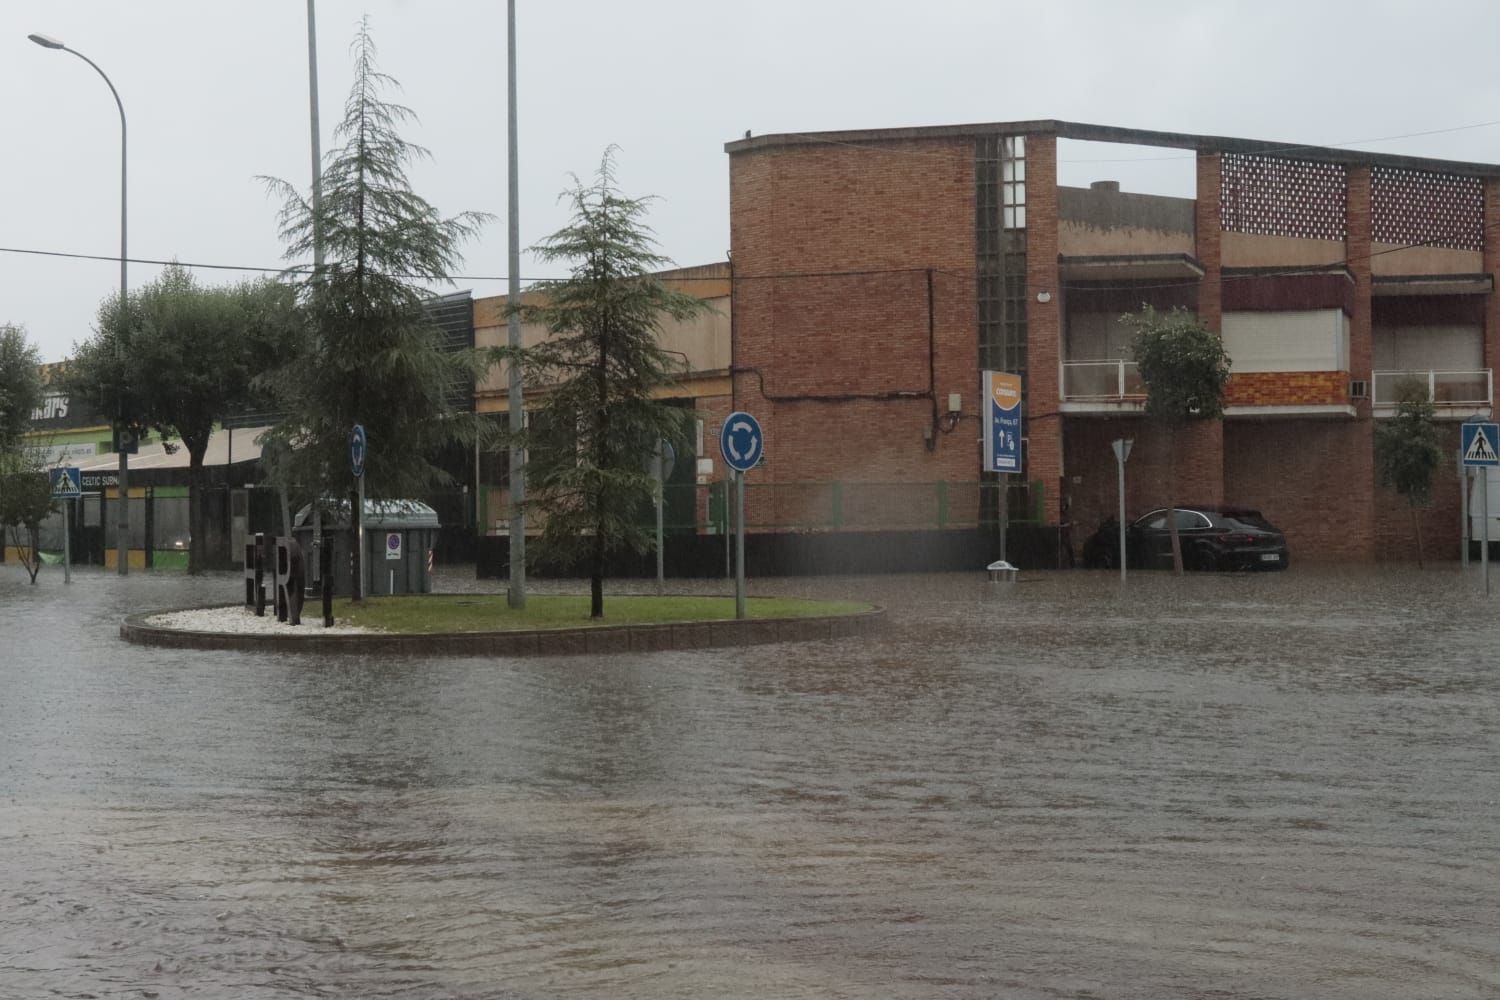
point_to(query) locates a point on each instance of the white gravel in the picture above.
(243, 620)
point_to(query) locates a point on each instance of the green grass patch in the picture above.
(491, 613)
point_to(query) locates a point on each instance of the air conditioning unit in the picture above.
(1359, 388)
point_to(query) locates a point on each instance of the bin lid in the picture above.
(378, 514)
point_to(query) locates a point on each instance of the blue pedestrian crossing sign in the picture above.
(741, 442)
(67, 482)
(1480, 445)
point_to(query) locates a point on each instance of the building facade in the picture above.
(876, 273)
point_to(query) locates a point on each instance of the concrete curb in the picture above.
(595, 640)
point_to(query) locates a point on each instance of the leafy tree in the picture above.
(1407, 452)
(195, 353)
(603, 365)
(25, 501)
(1185, 369)
(20, 384)
(370, 355)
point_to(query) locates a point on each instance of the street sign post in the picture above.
(663, 461)
(1122, 448)
(1479, 444)
(742, 444)
(1001, 392)
(358, 450)
(67, 486)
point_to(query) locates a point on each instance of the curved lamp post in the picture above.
(122, 536)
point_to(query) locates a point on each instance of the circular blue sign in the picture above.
(357, 449)
(741, 441)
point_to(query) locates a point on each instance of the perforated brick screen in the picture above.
(1416, 207)
(1273, 196)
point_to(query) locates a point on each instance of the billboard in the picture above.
(1002, 422)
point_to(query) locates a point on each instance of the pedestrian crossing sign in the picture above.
(66, 482)
(1478, 444)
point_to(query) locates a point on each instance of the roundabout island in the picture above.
(484, 625)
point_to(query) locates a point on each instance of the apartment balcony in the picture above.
(1102, 387)
(1455, 395)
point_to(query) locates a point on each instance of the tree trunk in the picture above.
(1416, 524)
(196, 537)
(596, 578)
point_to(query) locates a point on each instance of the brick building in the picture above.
(877, 272)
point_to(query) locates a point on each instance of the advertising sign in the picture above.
(1002, 422)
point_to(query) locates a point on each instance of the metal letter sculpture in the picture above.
(291, 581)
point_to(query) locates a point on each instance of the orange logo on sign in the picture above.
(1005, 389)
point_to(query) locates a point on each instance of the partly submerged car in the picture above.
(1212, 537)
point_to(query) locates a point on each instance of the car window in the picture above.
(1155, 520)
(1246, 519)
(1191, 520)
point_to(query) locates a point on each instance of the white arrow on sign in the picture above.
(736, 427)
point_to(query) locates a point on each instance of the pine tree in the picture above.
(602, 364)
(371, 354)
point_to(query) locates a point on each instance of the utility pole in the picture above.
(517, 593)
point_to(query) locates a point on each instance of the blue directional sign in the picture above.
(741, 441)
(1480, 445)
(67, 482)
(357, 449)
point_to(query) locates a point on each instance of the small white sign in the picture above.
(393, 545)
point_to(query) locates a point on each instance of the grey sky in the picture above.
(216, 93)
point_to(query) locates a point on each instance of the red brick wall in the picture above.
(1208, 241)
(1286, 388)
(1092, 482)
(1492, 266)
(1394, 538)
(1043, 323)
(1311, 478)
(894, 211)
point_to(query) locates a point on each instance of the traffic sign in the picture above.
(1480, 445)
(393, 545)
(741, 441)
(357, 449)
(67, 482)
(1002, 422)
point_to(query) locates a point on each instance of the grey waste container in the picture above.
(399, 537)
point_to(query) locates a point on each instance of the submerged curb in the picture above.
(589, 640)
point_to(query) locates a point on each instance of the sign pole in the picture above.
(1120, 458)
(739, 545)
(1463, 492)
(1484, 545)
(742, 443)
(661, 568)
(67, 546)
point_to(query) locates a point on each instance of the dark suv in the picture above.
(1212, 537)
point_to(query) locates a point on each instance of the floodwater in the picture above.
(1228, 787)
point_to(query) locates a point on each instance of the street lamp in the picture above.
(122, 537)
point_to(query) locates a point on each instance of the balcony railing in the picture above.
(1102, 381)
(1444, 388)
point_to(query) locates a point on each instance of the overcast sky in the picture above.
(215, 93)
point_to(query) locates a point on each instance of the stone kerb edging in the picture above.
(596, 639)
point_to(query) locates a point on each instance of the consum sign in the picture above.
(1002, 422)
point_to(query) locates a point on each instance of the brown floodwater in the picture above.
(1228, 787)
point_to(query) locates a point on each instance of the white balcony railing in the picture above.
(1444, 389)
(1102, 380)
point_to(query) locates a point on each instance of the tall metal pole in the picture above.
(1464, 531)
(517, 594)
(122, 538)
(317, 142)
